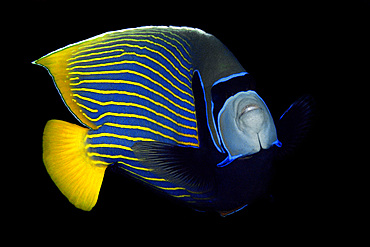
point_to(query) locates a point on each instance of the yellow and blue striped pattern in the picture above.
(135, 85)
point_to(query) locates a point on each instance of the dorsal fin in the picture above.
(56, 64)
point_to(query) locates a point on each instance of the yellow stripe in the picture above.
(115, 63)
(133, 94)
(125, 115)
(164, 188)
(107, 146)
(119, 136)
(147, 119)
(167, 42)
(134, 167)
(156, 132)
(112, 156)
(151, 33)
(174, 34)
(157, 179)
(139, 40)
(186, 60)
(135, 73)
(122, 34)
(180, 196)
(142, 65)
(95, 54)
(133, 46)
(185, 49)
(142, 107)
(85, 107)
(170, 188)
(99, 162)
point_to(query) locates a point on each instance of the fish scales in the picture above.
(136, 86)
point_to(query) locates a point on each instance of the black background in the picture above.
(291, 48)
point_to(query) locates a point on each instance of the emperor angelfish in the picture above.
(170, 107)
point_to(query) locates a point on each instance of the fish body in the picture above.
(145, 98)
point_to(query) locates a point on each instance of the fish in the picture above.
(170, 107)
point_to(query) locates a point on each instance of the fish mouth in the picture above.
(249, 108)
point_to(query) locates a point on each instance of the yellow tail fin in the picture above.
(77, 176)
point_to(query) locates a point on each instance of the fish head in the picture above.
(246, 125)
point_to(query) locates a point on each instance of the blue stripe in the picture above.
(136, 86)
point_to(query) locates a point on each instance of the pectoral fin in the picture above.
(295, 123)
(180, 165)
